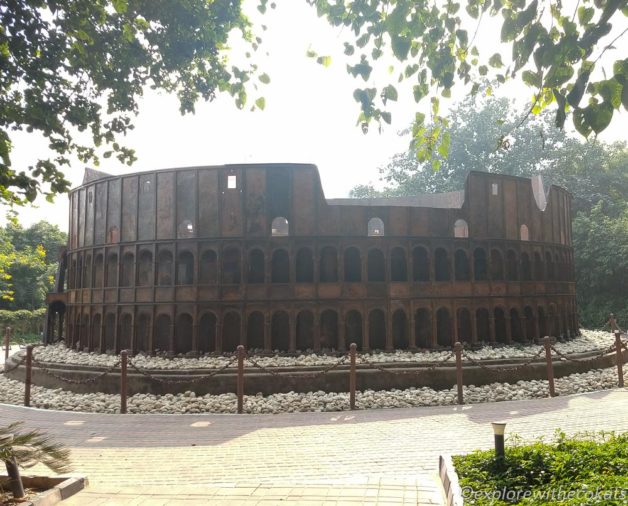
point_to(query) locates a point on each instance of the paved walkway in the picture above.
(377, 456)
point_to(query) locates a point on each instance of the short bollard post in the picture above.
(7, 343)
(352, 353)
(240, 385)
(550, 367)
(458, 351)
(124, 356)
(499, 428)
(620, 359)
(29, 375)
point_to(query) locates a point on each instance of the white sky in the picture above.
(310, 117)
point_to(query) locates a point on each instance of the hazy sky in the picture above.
(310, 117)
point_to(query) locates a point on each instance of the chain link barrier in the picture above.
(583, 360)
(498, 369)
(413, 372)
(312, 375)
(92, 379)
(197, 379)
(14, 366)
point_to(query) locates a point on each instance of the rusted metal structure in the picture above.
(203, 259)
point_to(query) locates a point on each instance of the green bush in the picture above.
(26, 325)
(588, 469)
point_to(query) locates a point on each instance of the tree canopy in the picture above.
(73, 70)
(556, 49)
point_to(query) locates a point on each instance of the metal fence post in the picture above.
(7, 342)
(352, 379)
(458, 351)
(240, 381)
(29, 375)
(547, 342)
(124, 355)
(620, 359)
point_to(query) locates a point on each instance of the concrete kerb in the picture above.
(449, 481)
(58, 488)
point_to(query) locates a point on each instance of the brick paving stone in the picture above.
(295, 458)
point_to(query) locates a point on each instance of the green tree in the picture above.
(556, 49)
(73, 70)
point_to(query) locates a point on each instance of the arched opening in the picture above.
(305, 266)
(256, 272)
(464, 326)
(511, 266)
(377, 330)
(443, 327)
(84, 337)
(145, 269)
(112, 270)
(305, 331)
(554, 319)
(420, 264)
(482, 325)
(280, 227)
(516, 331)
(142, 342)
(110, 333)
(500, 325)
(526, 272)
(461, 263)
(441, 265)
(126, 332)
(398, 265)
(183, 334)
(376, 266)
(480, 270)
(538, 267)
(461, 229)
(524, 234)
(207, 333)
(185, 229)
(93, 342)
(72, 275)
(230, 332)
(127, 273)
(209, 267)
(497, 265)
(280, 331)
(329, 265)
(280, 266)
(163, 328)
(98, 271)
(400, 330)
(543, 327)
(375, 227)
(549, 265)
(79, 273)
(185, 268)
(114, 234)
(423, 328)
(329, 330)
(353, 265)
(353, 328)
(559, 268)
(255, 332)
(164, 268)
(231, 266)
(529, 323)
(87, 277)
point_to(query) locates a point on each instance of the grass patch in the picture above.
(590, 468)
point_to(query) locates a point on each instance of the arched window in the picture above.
(280, 227)
(185, 269)
(423, 328)
(280, 266)
(126, 332)
(329, 330)
(461, 264)
(524, 234)
(162, 333)
(87, 277)
(526, 271)
(305, 331)
(143, 337)
(183, 334)
(145, 269)
(444, 336)
(398, 265)
(207, 333)
(209, 267)
(79, 273)
(549, 266)
(280, 331)
(112, 270)
(98, 271)
(377, 330)
(127, 274)
(353, 265)
(230, 331)
(376, 266)
(461, 229)
(256, 266)
(375, 227)
(164, 268)
(305, 266)
(538, 266)
(420, 264)
(511, 266)
(497, 265)
(231, 268)
(480, 268)
(329, 265)
(441, 265)
(400, 330)
(353, 328)
(500, 325)
(110, 333)
(464, 325)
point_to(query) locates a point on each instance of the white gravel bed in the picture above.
(590, 340)
(12, 392)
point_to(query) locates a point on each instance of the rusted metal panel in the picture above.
(510, 209)
(231, 208)
(256, 223)
(165, 205)
(113, 211)
(100, 221)
(147, 207)
(304, 206)
(208, 203)
(129, 208)
(186, 204)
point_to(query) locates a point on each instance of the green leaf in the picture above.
(264, 78)
(261, 103)
(325, 61)
(400, 46)
(585, 14)
(561, 115)
(531, 78)
(120, 6)
(598, 116)
(496, 61)
(575, 95)
(386, 116)
(559, 74)
(389, 93)
(624, 96)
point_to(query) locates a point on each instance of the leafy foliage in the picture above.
(26, 324)
(586, 463)
(556, 50)
(73, 71)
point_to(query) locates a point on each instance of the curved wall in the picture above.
(203, 259)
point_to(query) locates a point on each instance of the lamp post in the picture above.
(498, 430)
